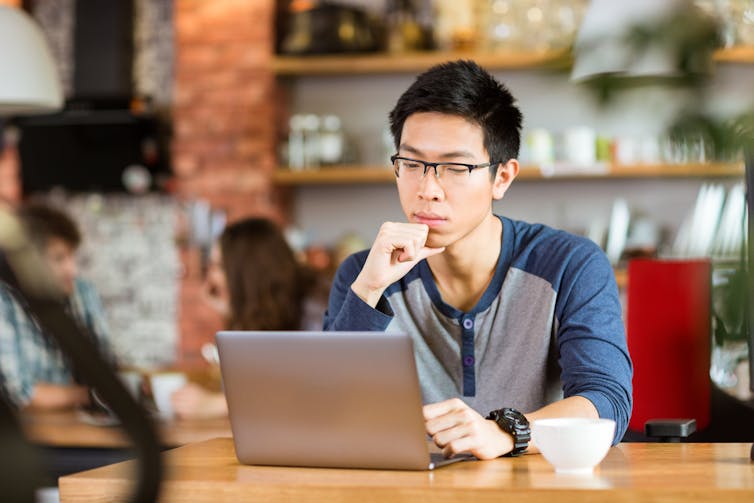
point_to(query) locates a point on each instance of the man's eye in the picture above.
(412, 165)
(456, 170)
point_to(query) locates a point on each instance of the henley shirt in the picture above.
(548, 326)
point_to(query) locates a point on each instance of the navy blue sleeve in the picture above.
(591, 337)
(345, 310)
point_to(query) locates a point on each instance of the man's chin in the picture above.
(435, 241)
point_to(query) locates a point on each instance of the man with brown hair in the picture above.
(34, 371)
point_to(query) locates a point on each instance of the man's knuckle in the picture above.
(468, 414)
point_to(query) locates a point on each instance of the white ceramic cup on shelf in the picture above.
(163, 385)
(580, 146)
(540, 145)
(573, 445)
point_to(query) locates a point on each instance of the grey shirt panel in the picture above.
(513, 342)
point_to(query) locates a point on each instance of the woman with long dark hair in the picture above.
(267, 288)
(256, 281)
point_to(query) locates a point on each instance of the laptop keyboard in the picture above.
(437, 459)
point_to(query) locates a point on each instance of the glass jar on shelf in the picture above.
(331, 140)
(534, 25)
(455, 26)
(295, 143)
(563, 18)
(742, 13)
(310, 125)
(502, 30)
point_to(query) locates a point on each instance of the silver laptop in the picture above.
(325, 399)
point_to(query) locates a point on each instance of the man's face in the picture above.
(61, 258)
(216, 284)
(452, 208)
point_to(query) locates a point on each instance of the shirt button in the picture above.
(468, 324)
(468, 361)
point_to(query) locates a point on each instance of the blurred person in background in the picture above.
(255, 280)
(10, 188)
(35, 372)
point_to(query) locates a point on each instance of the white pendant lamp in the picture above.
(29, 82)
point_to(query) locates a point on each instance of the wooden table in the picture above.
(209, 472)
(66, 429)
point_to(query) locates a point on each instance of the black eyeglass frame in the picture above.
(427, 165)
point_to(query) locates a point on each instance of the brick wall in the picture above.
(225, 116)
(10, 176)
(224, 128)
(10, 183)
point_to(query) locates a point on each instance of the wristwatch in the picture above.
(515, 423)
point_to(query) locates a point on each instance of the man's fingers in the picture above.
(428, 252)
(447, 435)
(404, 252)
(458, 446)
(413, 249)
(433, 410)
(444, 422)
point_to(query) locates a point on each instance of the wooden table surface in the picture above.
(67, 429)
(209, 472)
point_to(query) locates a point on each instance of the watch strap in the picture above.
(514, 423)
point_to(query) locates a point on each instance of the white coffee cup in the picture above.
(163, 385)
(573, 445)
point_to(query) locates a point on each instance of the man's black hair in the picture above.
(465, 89)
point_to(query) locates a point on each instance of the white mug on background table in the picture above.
(164, 384)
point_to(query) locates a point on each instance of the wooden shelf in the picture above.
(696, 170)
(335, 176)
(409, 62)
(740, 54)
(413, 62)
(381, 175)
(621, 277)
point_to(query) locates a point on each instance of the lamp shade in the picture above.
(29, 81)
(603, 45)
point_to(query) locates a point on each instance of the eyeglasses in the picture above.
(450, 172)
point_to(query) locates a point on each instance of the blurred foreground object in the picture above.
(29, 85)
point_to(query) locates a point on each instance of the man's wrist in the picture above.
(514, 424)
(370, 296)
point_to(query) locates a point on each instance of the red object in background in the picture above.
(669, 338)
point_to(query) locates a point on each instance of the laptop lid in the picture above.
(324, 399)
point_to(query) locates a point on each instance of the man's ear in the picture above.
(506, 173)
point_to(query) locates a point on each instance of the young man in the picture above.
(34, 371)
(504, 315)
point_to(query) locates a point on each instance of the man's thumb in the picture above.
(428, 252)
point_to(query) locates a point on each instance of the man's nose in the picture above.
(72, 267)
(430, 187)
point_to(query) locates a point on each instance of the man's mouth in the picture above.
(430, 219)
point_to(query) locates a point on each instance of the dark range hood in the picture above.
(89, 145)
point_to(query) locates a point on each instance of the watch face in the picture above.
(516, 416)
